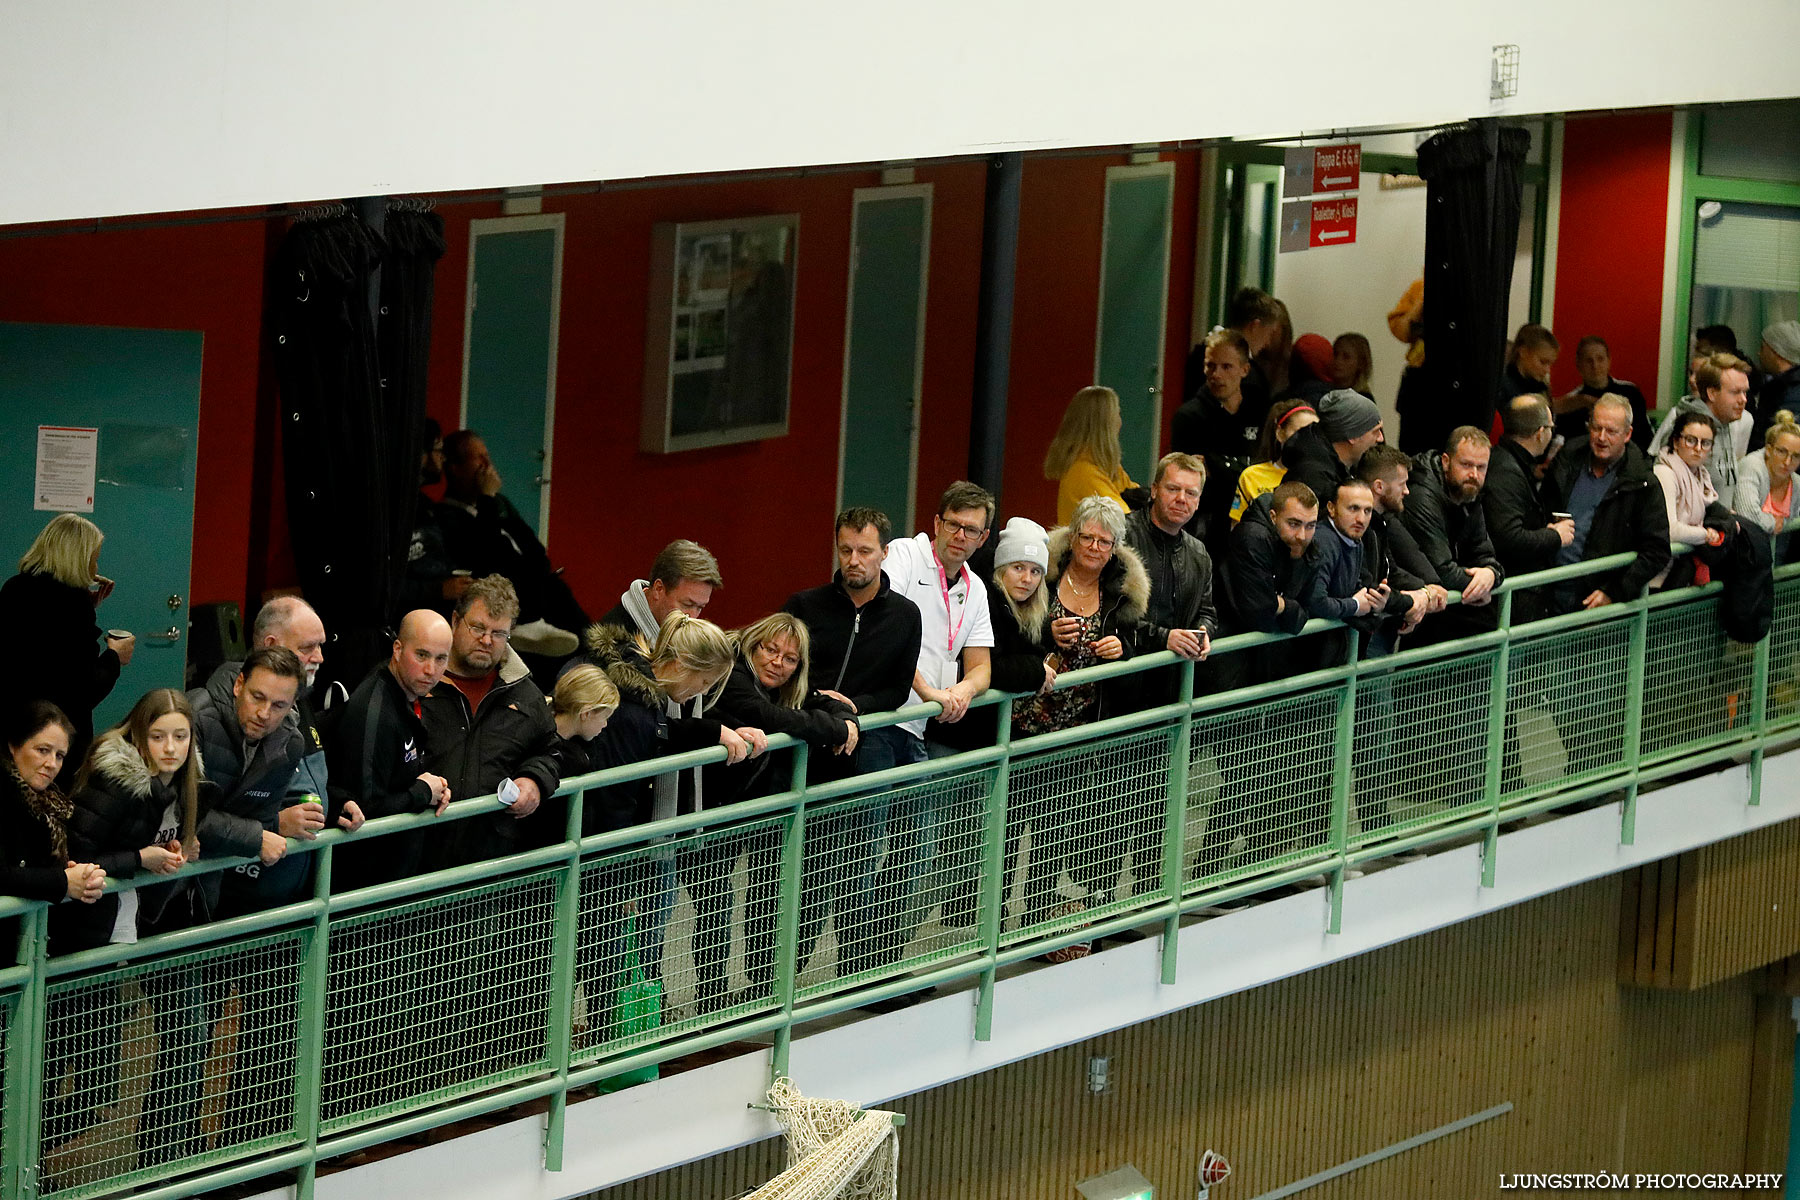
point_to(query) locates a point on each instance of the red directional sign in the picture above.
(1333, 222)
(1337, 168)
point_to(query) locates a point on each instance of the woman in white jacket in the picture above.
(1688, 488)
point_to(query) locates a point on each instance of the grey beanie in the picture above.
(1346, 415)
(1023, 540)
(1783, 338)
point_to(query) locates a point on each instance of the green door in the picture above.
(140, 388)
(890, 237)
(509, 372)
(1134, 289)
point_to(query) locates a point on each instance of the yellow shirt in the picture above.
(1258, 479)
(1083, 479)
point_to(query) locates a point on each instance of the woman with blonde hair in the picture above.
(49, 605)
(629, 909)
(1765, 482)
(769, 688)
(1084, 456)
(1353, 363)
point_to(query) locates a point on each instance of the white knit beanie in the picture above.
(1023, 540)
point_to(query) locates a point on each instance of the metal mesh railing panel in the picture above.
(1783, 704)
(1697, 682)
(1084, 832)
(9, 1002)
(1262, 774)
(170, 1064)
(1419, 748)
(1565, 707)
(718, 958)
(891, 881)
(437, 997)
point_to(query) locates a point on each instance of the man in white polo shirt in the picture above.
(931, 570)
(933, 840)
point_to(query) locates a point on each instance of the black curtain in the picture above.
(1474, 179)
(351, 403)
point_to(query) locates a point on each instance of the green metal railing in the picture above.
(273, 1042)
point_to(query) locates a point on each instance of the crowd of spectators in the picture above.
(1280, 502)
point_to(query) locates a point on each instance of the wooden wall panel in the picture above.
(1713, 913)
(1523, 1006)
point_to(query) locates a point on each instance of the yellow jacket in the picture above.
(1082, 480)
(1258, 479)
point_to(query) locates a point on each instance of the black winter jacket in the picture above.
(57, 660)
(1516, 514)
(1192, 601)
(1258, 570)
(1632, 516)
(1453, 537)
(1015, 663)
(868, 654)
(510, 736)
(1311, 459)
(640, 729)
(29, 866)
(819, 722)
(253, 784)
(376, 755)
(116, 815)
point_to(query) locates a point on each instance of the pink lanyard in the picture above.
(944, 586)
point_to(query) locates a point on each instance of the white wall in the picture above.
(115, 106)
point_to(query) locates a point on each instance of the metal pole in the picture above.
(562, 984)
(787, 920)
(1491, 784)
(1181, 751)
(1634, 717)
(993, 873)
(1759, 715)
(993, 320)
(1343, 739)
(309, 1054)
(25, 1036)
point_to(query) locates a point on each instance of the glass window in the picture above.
(1746, 267)
(1752, 141)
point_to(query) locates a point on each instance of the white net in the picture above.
(836, 1151)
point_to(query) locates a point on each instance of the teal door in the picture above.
(140, 388)
(890, 237)
(509, 368)
(1134, 289)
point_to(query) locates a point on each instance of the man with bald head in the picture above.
(378, 747)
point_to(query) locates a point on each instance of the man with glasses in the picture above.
(487, 726)
(933, 832)
(1722, 388)
(1605, 483)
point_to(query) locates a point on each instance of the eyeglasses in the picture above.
(958, 529)
(482, 633)
(784, 660)
(1698, 443)
(1778, 452)
(1094, 541)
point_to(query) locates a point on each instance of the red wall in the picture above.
(205, 277)
(1056, 315)
(1609, 255)
(764, 508)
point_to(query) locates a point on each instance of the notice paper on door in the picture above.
(66, 457)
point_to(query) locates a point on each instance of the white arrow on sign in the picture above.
(1331, 179)
(1331, 234)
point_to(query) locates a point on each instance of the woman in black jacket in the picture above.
(34, 816)
(626, 904)
(140, 801)
(768, 689)
(52, 601)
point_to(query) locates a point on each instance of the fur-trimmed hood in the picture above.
(118, 761)
(615, 649)
(1124, 583)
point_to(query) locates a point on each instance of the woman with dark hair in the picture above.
(769, 688)
(1264, 475)
(34, 816)
(51, 603)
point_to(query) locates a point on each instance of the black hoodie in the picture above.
(868, 654)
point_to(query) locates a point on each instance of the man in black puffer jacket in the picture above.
(1443, 513)
(251, 752)
(1618, 506)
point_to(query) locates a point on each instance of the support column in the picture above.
(993, 320)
